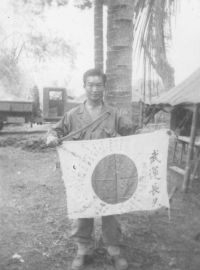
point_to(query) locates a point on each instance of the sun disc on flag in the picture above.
(115, 178)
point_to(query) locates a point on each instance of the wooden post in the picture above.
(141, 114)
(190, 149)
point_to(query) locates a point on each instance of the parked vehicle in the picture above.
(55, 104)
(13, 112)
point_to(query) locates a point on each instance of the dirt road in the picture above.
(35, 231)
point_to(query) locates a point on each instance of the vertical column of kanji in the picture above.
(154, 176)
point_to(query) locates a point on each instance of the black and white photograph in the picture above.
(100, 135)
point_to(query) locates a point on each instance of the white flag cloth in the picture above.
(115, 175)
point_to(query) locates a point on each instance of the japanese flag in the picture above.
(115, 175)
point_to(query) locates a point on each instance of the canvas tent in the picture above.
(186, 94)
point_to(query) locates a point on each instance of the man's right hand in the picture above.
(52, 141)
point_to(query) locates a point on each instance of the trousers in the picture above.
(82, 229)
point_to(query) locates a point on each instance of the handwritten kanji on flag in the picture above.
(115, 175)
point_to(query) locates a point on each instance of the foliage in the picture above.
(45, 47)
(35, 44)
(40, 48)
(82, 4)
(48, 2)
(38, 6)
(10, 71)
(34, 96)
(152, 36)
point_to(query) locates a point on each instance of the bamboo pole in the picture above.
(190, 149)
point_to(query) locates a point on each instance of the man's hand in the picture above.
(172, 134)
(52, 141)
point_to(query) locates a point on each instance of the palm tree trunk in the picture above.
(98, 34)
(119, 54)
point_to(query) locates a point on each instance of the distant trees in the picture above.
(10, 73)
(34, 96)
(39, 47)
(35, 44)
(37, 6)
(43, 47)
(143, 24)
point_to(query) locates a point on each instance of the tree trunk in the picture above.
(98, 34)
(119, 54)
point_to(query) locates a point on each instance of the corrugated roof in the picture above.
(187, 91)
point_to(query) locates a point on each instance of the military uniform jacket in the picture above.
(112, 125)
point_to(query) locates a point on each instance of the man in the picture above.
(112, 125)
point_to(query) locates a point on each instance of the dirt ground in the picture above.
(35, 230)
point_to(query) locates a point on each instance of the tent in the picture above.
(186, 94)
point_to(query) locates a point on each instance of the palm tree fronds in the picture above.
(152, 36)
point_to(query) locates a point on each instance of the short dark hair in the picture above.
(94, 72)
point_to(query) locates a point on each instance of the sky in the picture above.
(77, 27)
(185, 47)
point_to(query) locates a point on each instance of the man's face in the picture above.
(94, 88)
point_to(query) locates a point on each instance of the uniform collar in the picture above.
(84, 113)
(82, 107)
